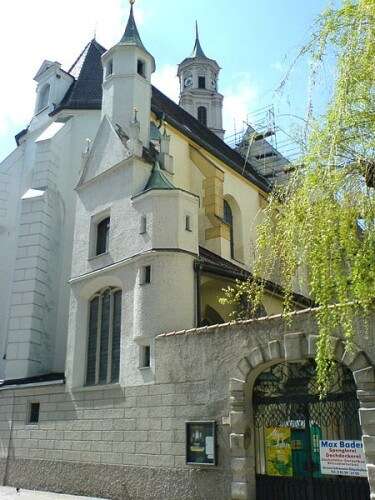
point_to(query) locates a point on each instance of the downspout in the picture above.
(197, 267)
(5, 476)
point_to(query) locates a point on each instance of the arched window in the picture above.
(102, 237)
(202, 115)
(104, 334)
(228, 219)
(43, 97)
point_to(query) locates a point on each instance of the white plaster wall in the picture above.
(166, 213)
(84, 125)
(187, 176)
(167, 303)
(25, 241)
(110, 194)
(125, 90)
(10, 172)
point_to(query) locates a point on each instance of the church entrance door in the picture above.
(295, 430)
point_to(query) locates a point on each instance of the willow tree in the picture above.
(320, 227)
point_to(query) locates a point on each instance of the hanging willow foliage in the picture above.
(320, 227)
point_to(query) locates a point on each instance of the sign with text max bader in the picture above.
(342, 458)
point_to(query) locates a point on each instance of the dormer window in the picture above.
(141, 68)
(201, 82)
(109, 70)
(43, 99)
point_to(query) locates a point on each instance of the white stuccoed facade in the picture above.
(104, 143)
(67, 171)
(36, 240)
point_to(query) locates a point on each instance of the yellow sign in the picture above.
(278, 451)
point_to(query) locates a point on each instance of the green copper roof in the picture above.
(158, 180)
(131, 35)
(197, 51)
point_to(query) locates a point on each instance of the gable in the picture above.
(86, 93)
(107, 151)
(44, 67)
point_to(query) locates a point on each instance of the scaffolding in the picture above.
(266, 146)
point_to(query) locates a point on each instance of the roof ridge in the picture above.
(213, 135)
(79, 57)
(92, 43)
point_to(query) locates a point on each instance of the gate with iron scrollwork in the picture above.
(291, 420)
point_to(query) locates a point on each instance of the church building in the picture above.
(123, 215)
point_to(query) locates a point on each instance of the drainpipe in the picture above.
(197, 267)
(6, 469)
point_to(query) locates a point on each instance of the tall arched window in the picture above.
(202, 115)
(102, 238)
(228, 219)
(104, 333)
(43, 97)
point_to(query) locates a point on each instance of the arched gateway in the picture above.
(285, 440)
(292, 425)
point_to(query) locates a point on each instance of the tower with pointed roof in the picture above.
(199, 96)
(127, 69)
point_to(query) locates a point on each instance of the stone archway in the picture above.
(294, 347)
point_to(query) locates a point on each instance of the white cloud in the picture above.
(48, 29)
(239, 98)
(165, 79)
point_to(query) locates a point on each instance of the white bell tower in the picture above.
(199, 94)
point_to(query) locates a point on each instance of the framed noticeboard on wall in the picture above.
(201, 443)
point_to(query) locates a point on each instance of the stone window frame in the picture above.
(145, 357)
(30, 413)
(97, 219)
(145, 275)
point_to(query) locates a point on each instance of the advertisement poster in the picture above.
(278, 451)
(342, 458)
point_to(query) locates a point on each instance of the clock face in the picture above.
(188, 82)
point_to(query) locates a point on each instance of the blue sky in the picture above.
(252, 40)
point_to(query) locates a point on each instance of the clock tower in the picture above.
(199, 94)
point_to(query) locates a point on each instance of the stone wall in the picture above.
(113, 442)
(129, 443)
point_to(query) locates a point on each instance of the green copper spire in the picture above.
(131, 35)
(197, 51)
(158, 180)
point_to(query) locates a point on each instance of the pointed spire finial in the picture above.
(131, 35)
(197, 51)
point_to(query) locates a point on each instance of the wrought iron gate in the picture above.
(288, 410)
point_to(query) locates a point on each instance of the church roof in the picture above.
(197, 51)
(131, 34)
(86, 93)
(212, 263)
(158, 180)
